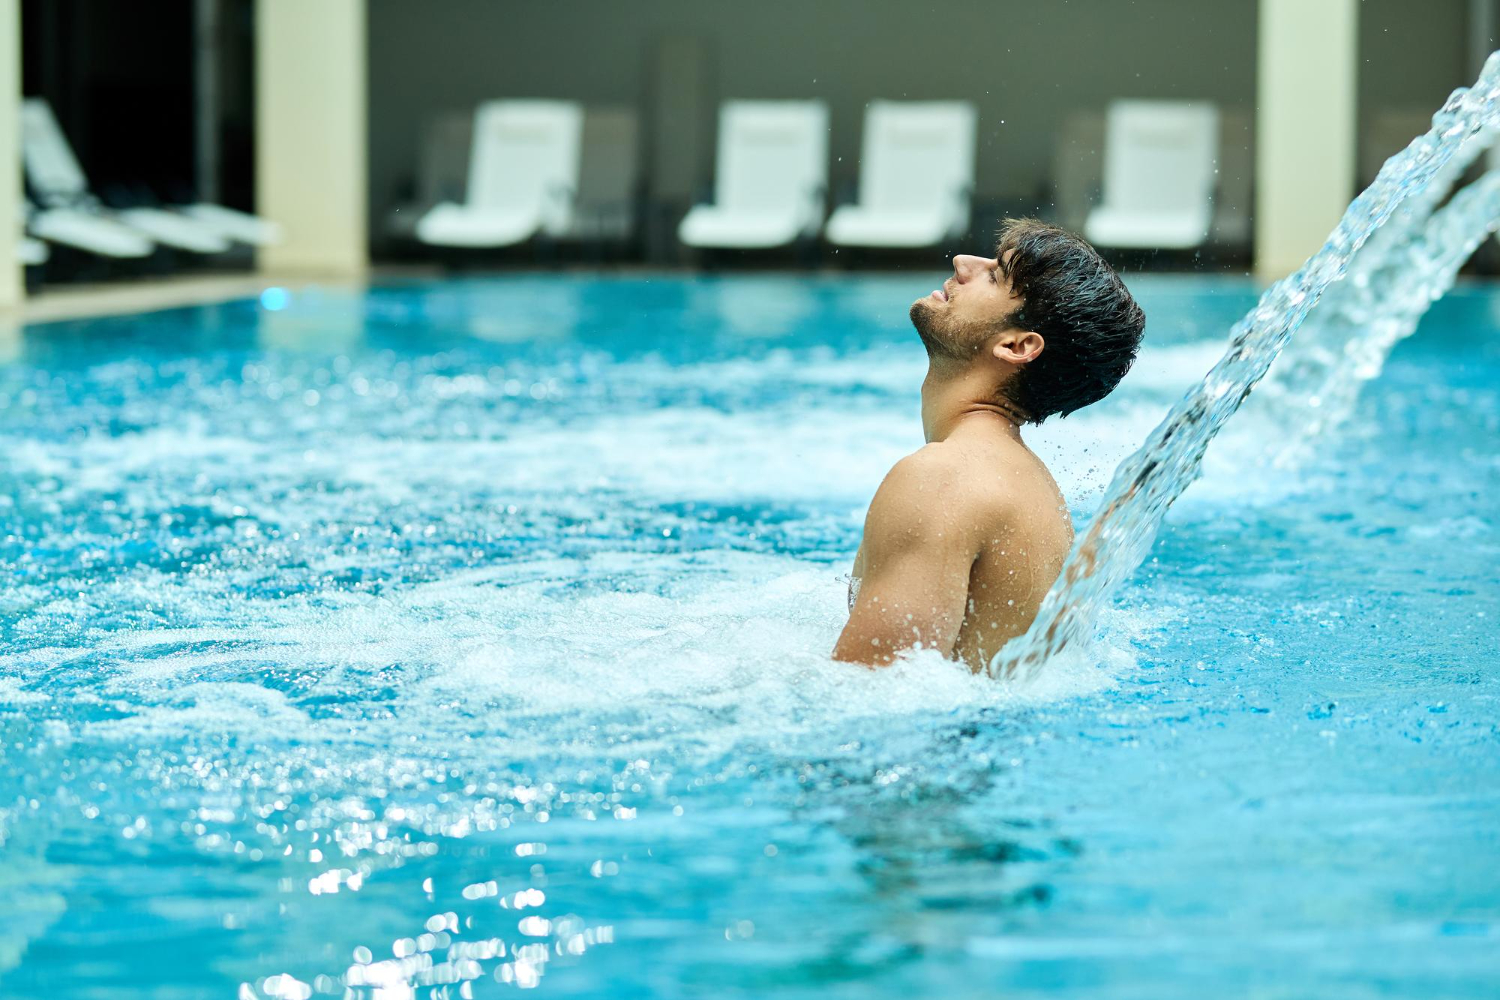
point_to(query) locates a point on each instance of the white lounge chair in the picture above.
(916, 175)
(54, 174)
(86, 230)
(770, 177)
(1159, 160)
(174, 230)
(523, 177)
(231, 223)
(31, 252)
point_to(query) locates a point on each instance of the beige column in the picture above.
(1305, 119)
(12, 284)
(310, 148)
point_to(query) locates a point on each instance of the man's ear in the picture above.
(1018, 346)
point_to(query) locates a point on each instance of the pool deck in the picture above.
(84, 301)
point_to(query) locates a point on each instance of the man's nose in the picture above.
(967, 265)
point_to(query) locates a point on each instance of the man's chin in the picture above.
(924, 316)
(921, 313)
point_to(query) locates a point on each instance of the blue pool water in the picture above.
(460, 637)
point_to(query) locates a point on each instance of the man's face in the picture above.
(977, 302)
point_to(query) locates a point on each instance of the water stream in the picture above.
(1145, 485)
(1315, 384)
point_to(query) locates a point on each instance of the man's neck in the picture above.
(955, 394)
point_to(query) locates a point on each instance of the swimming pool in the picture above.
(473, 635)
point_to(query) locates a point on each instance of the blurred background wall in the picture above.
(1028, 66)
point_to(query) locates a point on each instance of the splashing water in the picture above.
(1315, 385)
(1146, 484)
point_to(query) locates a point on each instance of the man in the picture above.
(964, 537)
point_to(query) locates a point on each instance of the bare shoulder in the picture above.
(967, 481)
(938, 463)
(937, 472)
(1022, 495)
(996, 482)
(924, 494)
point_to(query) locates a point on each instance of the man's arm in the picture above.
(917, 552)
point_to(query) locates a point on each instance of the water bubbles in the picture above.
(524, 974)
(524, 898)
(534, 926)
(285, 987)
(479, 890)
(740, 930)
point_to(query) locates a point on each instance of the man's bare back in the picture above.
(965, 536)
(988, 548)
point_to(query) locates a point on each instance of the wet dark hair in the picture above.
(1084, 312)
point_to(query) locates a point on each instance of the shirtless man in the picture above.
(966, 535)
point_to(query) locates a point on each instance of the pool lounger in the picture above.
(88, 231)
(1159, 160)
(174, 230)
(59, 182)
(31, 252)
(769, 178)
(242, 227)
(916, 176)
(523, 177)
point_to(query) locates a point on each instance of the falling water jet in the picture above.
(1146, 483)
(1346, 343)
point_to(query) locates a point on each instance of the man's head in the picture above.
(1047, 307)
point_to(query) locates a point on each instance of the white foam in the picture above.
(716, 648)
(13, 695)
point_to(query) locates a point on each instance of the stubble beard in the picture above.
(945, 338)
(932, 328)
